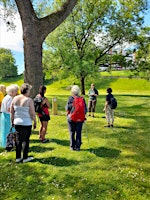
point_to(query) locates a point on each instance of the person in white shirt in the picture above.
(11, 91)
(22, 114)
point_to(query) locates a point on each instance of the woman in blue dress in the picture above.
(5, 109)
(2, 94)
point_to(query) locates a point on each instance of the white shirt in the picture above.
(22, 116)
(6, 103)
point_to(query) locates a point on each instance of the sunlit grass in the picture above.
(113, 164)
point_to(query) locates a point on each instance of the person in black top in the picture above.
(108, 111)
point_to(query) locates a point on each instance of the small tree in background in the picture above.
(8, 67)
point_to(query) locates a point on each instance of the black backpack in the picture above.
(37, 104)
(11, 140)
(113, 103)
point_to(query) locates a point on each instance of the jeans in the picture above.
(22, 140)
(75, 129)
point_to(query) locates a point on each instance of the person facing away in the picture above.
(11, 92)
(22, 115)
(76, 110)
(44, 116)
(108, 111)
(93, 93)
(2, 94)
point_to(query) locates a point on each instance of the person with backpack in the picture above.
(93, 93)
(42, 105)
(76, 111)
(110, 105)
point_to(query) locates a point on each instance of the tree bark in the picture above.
(35, 31)
(82, 85)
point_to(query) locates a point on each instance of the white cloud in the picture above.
(10, 39)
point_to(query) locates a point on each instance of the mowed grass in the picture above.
(113, 163)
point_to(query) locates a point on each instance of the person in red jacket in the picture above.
(76, 111)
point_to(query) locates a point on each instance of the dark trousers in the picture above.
(75, 129)
(22, 140)
(91, 105)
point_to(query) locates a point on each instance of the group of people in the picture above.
(75, 124)
(18, 111)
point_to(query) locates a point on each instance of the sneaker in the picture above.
(112, 125)
(28, 159)
(72, 148)
(44, 141)
(18, 160)
(77, 149)
(107, 126)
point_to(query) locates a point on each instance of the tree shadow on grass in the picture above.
(60, 162)
(2, 149)
(41, 149)
(106, 152)
(61, 142)
(34, 141)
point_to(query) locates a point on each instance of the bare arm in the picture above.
(45, 101)
(32, 112)
(12, 112)
(106, 104)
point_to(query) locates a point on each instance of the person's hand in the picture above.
(34, 125)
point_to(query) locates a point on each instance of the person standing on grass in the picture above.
(44, 116)
(93, 93)
(108, 111)
(22, 115)
(76, 110)
(2, 94)
(11, 91)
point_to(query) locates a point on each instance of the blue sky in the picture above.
(13, 40)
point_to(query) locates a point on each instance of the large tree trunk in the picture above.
(35, 31)
(33, 64)
(82, 85)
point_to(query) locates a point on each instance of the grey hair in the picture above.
(11, 88)
(16, 86)
(75, 90)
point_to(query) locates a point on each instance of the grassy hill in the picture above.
(113, 163)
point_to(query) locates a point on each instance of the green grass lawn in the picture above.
(113, 163)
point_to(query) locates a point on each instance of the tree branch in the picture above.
(106, 50)
(50, 22)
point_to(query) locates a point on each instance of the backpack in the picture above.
(11, 140)
(113, 103)
(78, 110)
(37, 104)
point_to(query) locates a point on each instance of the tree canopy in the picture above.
(8, 67)
(83, 42)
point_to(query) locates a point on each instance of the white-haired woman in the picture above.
(76, 110)
(11, 91)
(22, 114)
